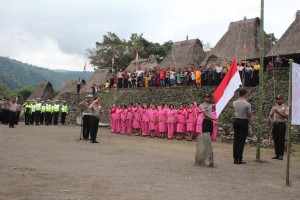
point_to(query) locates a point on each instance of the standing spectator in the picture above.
(78, 85)
(248, 75)
(210, 76)
(111, 80)
(270, 67)
(198, 76)
(203, 75)
(125, 79)
(278, 62)
(162, 78)
(172, 77)
(120, 78)
(93, 88)
(255, 78)
(241, 71)
(167, 77)
(12, 109)
(218, 74)
(171, 121)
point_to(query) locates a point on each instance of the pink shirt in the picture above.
(137, 113)
(181, 116)
(153, 115)
(123, 114)
(162, 115)
(145, 115)
(171, 114)
(129, 113)
(113, 112)
(118, 113)
(191, 117)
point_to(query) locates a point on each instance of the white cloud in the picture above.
(56, 34)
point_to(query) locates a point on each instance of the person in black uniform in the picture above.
(278, 117)
(240, 125)
(86, 116)
(96, 110)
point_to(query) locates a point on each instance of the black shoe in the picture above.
(94, 141)
(276, 157)
(85, 138)
(240, 162)
(280, 158)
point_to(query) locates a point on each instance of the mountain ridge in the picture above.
(16, 75)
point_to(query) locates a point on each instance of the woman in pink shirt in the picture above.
(123, 119)
(197, 111)
(153, 113)
(137, 118)
(171, 121)
(113, 118)
(199, 122)
(145, 120)
(118, 119)
(191, 119)
(129, 119)
(162, 121)
(215, 124)
(181, 120)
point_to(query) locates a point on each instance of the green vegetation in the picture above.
(23, 93)
(124, 51)
(17, 75)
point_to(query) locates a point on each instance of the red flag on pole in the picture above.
(84, 68)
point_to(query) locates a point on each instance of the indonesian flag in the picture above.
(84, 68)
(225, 91)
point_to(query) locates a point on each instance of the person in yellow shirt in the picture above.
(255, 79)
(198, 76)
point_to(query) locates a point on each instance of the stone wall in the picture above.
(177, 95)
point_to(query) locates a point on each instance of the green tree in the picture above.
(272, 37)
(4, 92)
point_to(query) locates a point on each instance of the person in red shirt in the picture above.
(162, 77)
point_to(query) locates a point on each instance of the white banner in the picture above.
(295, 94)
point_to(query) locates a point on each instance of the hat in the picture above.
(48, 100)
(64, 101)
(279, 97)
(207, 96)
(89, 96)
(28, 100)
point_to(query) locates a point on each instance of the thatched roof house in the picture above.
(289, 44)
(100, 76)
(43, 91)
(183, 54)
(231, 45)
(144, 63)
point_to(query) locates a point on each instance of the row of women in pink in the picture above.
(162, 122)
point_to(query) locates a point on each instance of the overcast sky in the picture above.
(56, 33)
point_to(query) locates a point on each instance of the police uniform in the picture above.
(279, 127)
(42, 118)
(32, 114)
(86, 118)
(207, 124)
(240, 127)
(38, 110)
(27, 111)
(56, 108)
(48, 111)
(94, 120)
(64, 112)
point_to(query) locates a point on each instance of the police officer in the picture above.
(42, 118)
(48, 112)
(242, 112)
(38, 110)
(94, 118)
(206, 107)
(64, 112)
(27, 111)
(278, 117)
(56, 108)
(32, 115)
(86, 116)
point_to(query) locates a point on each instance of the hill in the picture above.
(16, 75)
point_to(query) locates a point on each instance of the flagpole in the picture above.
(261, 83)
(288, 149)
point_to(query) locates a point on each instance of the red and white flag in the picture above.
(84, 68)
(225, 91)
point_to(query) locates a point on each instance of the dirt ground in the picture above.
(38, 162)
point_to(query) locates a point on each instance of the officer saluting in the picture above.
(240, 125)
(278, 116)
(86, 116)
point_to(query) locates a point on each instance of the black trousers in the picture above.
(37, 117)
(55, 117)
(5, 114)
(11, 118)
(78, 86)
(17, 118)
(94, 121)
(48, 118)
(207, 126)
(86, 126)
(241, 128)
(278, 132)
(42, 117)
(32, 117)
(63, 118)
(27, 118)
